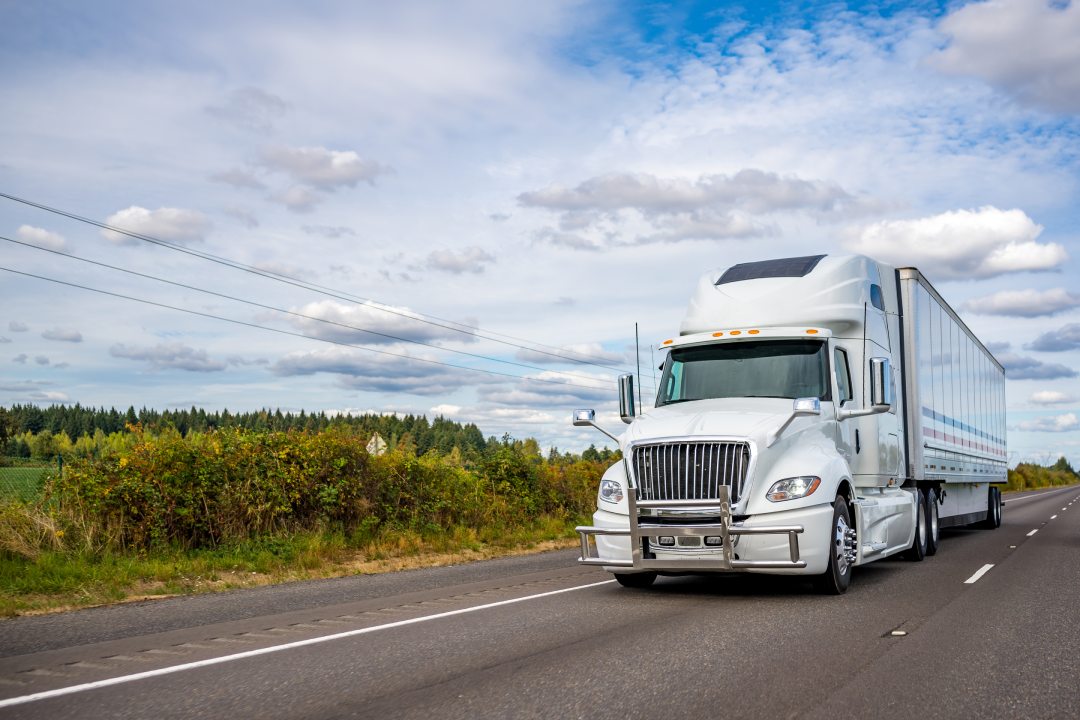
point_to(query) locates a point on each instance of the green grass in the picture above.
(61, 580)
(23, 483)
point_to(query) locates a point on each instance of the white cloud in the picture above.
(63, 335)
(446, 410)
(21, 358)
(343, 321)
(1028, 48)
(1019, 367)
(4, 340)
(369, 372)
(603, 209)
(1064, 338)
(1051, 397)
(41, 359)
(329, 231)
(467, 260)
(593, 352)
(247, 218)
(169, 356)
(16, 326)
(239, 178)
(1066, 422)
(173, 225)
(1023, 303)
(322, 168)
(962, 244)
(297, 198)
(41, 237)
(250, 108)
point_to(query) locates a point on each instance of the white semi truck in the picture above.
(813, 415)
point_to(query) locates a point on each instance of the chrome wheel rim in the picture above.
(839, 548)
(934, 528)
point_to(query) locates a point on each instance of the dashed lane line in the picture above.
(71, 689)
(978, 574)
(1033, 532)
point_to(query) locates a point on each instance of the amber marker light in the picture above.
(752, 332)
(811, 331)
(735, 332)
(718, 334)
(668, 342)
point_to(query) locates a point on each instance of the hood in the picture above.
(750, 418)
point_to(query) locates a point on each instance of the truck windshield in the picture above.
(777, 368)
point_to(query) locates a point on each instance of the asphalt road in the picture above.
(542, 637)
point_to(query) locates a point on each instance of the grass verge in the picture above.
(56, 581)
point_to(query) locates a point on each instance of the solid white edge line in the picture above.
(978, 574)
(71, 689)
(1033, 532)
(1054, 517)
(1033, 497)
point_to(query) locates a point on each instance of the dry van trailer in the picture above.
(954, 397)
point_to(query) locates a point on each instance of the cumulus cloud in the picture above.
(998, 346)
(344, 320)
(675, 209)
(35, 391)
(322, 168)
(63, 335)
(41, 359)
(1051, 397)
(1064, 338)
(1023, 303)
(41, 237)
(169, 356)
(466, 260)
(961, 244)
(1019, 367)
(297, 198)
(239, 178)
(1027, 48)
(170, 224)
(16, 326)
(247, 218)
(375, 373)
(250, 108)
(1052, 423)
(329, 231)
(4, 340)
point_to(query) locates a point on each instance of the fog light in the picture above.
(666, 541)
(714, 540)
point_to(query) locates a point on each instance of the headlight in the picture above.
(610, 491)
(793, 488)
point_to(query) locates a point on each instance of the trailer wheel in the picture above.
(933, 529)
(636, 580)
(837, 577)
(917, 551)
(993, 509)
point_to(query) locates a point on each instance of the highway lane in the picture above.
(538, 637)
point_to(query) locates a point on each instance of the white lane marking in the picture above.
(1037, 494)
(276, 648)
(1054, 517)
(978, 574)
(1033, 532)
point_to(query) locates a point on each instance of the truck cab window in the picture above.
(843, 376)
(773, 368)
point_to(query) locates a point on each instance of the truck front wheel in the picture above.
(836, 579)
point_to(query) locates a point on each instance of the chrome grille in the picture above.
(690, 470)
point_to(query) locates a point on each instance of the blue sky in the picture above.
(549, 173)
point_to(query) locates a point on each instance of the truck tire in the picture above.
(933, 527)
(837, 577)
(635, 580)
(993, 509)
(917, 551)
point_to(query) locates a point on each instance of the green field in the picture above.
(24, 481)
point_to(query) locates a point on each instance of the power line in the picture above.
(294, 334)
(306, 285)
(293, 313)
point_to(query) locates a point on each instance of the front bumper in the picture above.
(765, 543)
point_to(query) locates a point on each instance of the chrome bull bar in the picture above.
(724, 529)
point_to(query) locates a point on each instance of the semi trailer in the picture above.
(813, 414)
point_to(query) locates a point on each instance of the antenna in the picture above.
(637, 356)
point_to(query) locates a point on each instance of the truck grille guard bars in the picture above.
(637, 532)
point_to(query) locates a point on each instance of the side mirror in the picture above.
(587, 418)
(881, 389)
(627, 410)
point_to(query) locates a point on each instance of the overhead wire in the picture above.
(313, 287)
(280, 331)
(297, 314)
